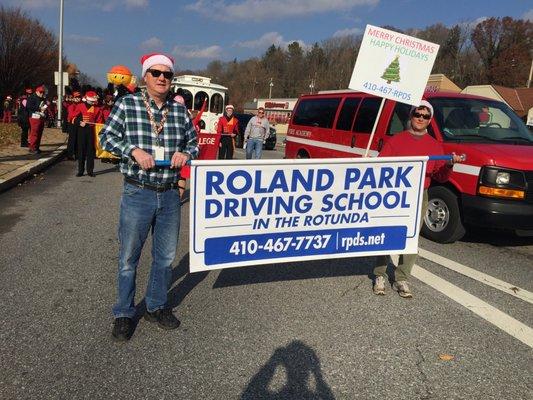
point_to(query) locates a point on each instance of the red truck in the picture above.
(493, 188)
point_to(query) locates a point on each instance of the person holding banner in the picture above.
(228, 128)
(143, 128)
(415, 141)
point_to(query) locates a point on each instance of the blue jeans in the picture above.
(254, 146)
(142, 210)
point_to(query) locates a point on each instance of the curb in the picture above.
(20, 174)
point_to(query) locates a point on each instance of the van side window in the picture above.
(400, 118)
(317, 112)
(344, 122)
(366, 116)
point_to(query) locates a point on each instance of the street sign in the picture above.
(246, 212)
(393, 65)
(65, 80)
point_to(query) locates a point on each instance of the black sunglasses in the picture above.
(418, 115)
(156, 73)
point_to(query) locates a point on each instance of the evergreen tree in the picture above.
(392, 73)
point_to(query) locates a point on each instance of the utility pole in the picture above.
(270, 91)
(253, 88)
(312, 86)
(60, 69)
(530, 73)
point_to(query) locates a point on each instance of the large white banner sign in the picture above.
(259, 211)
(393, 65)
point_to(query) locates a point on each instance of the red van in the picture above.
(493, 188)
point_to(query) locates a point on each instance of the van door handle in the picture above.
(353, 141)
(380, 144)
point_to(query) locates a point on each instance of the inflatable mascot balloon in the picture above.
(119, 77)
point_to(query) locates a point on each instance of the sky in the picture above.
(98, 34)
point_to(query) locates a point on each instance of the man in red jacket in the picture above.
(228, 127)
(414, 141)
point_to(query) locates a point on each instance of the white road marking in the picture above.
(478, 276)
(491, 314)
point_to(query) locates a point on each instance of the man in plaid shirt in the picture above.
(144, 128)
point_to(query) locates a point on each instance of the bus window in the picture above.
(217, 103)
(317, 112)
(366, 116)
(400, 118)
(199, 100)
(187, 96)
(344, 123)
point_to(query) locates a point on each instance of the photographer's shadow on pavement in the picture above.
(176, 293)
(303, 378)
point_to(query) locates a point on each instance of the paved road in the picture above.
(290, 331)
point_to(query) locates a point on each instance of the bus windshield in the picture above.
(479, 120)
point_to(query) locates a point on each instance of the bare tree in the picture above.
(505, 48)
(28, 52)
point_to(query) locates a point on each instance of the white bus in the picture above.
(194, 90)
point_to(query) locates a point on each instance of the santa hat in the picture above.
(39, 89)
(91, 96)
(424, 103)
(149, 60)
(230, 106)
(179, 99)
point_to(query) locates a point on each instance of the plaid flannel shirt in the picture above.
(128, 127)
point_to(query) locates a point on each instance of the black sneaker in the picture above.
(79, 174)
(122, 329)
(164, 318)
(91, 174)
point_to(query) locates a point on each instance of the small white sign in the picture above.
(530, 117)
(247, 213)
(65, 78)
(393, 65)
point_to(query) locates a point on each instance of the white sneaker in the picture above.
(403, 289)
(379, 285)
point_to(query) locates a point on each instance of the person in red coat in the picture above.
(71, 128)
(36, 107)
(85, 116)
(8, 109)
(228, 128)
(415, 141)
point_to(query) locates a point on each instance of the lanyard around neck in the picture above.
(156, 127)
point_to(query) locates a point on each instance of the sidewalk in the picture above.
(17, 164)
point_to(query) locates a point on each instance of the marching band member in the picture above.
(86, 115)
(228, 127)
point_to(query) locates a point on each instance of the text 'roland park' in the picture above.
(316, 180)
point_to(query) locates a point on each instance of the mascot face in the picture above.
(119, 75)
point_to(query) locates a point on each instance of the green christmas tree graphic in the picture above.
(392, 73)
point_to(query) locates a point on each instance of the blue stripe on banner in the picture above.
(222, 250)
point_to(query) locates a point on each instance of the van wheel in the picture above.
(302, 154)
(442, 222)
